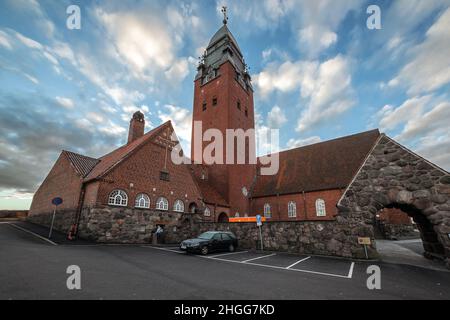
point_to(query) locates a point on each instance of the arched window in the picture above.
(267, 211)
(207, 212)
(320, 208)
(162, 204)
(142, 201)
(292, 209)
(118, 198)
(178, 206)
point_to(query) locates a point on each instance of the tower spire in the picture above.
(225, 16)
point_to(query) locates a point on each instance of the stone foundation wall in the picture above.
(126, 225)
(309, 237)
(399, 231)
(62, 223)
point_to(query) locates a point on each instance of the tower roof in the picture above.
(223, 32)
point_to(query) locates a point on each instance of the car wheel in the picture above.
(231, 248)
(204, 250)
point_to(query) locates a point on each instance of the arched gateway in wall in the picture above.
(393, 176)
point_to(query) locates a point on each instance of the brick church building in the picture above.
(137, 185)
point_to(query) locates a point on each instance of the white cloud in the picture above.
(65, 102)
(390, 117)
(315, 38)
(421, 123)
(285, 77)
(314, 22)
(429, 68)
(31, 78)
(276, 117)
(178, 71)
(113, 130)
(144, 43)
(95, 117)
(295, 143)
(30, 43)
(5, 40)
(325, 86)
(329, 92)
(181, 120)
(433, 148)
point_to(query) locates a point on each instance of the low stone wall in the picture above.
(310, 237)
(399, 231)
(13, 214)
(126, 225)
(62, 223)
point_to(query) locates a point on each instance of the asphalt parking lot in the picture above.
(32, 268)
(325, 266)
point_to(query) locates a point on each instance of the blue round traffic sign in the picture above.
(57, 201)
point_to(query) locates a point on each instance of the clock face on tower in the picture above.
(244, 191)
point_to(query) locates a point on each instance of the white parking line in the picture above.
(267, 255)
(227, 254)
(295, 263)
(34, 234)
(163, 249)
(280, 268)
(350, 272)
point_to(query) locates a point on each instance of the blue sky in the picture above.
(318, 73)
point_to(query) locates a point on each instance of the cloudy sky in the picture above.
(317, 70)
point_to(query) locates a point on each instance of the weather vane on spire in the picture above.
(225, 17)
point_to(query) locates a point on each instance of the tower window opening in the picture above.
(239, 105)
(214, 101)
(204, 106)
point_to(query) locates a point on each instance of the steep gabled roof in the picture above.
(321, 166)
(110, 160)
(83, 165)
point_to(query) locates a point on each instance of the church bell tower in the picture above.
(223, 99)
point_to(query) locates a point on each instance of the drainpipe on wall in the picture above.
(304, 204)
(278, 207)
(79, 208)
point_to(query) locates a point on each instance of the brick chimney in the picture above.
(137, 124)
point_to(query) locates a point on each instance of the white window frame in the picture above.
(162, 204)
(118, 198)
(142, 201)
(267, 211)
(321, 210)
(292, 209)
(178, 206)
(207, 212)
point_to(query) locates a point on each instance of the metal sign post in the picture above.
(364, 241)
(259, 224)
(56, 202)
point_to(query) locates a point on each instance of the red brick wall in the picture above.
(215, 212)
(90, 194)
(394, 216)
(279, 205)
(227, 179)
(142, 169)
(62, 181)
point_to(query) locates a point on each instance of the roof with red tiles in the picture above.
(321, 166)
(112, 159)
(83, 165)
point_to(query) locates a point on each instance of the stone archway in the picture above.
(223, 217)
(395, 176)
